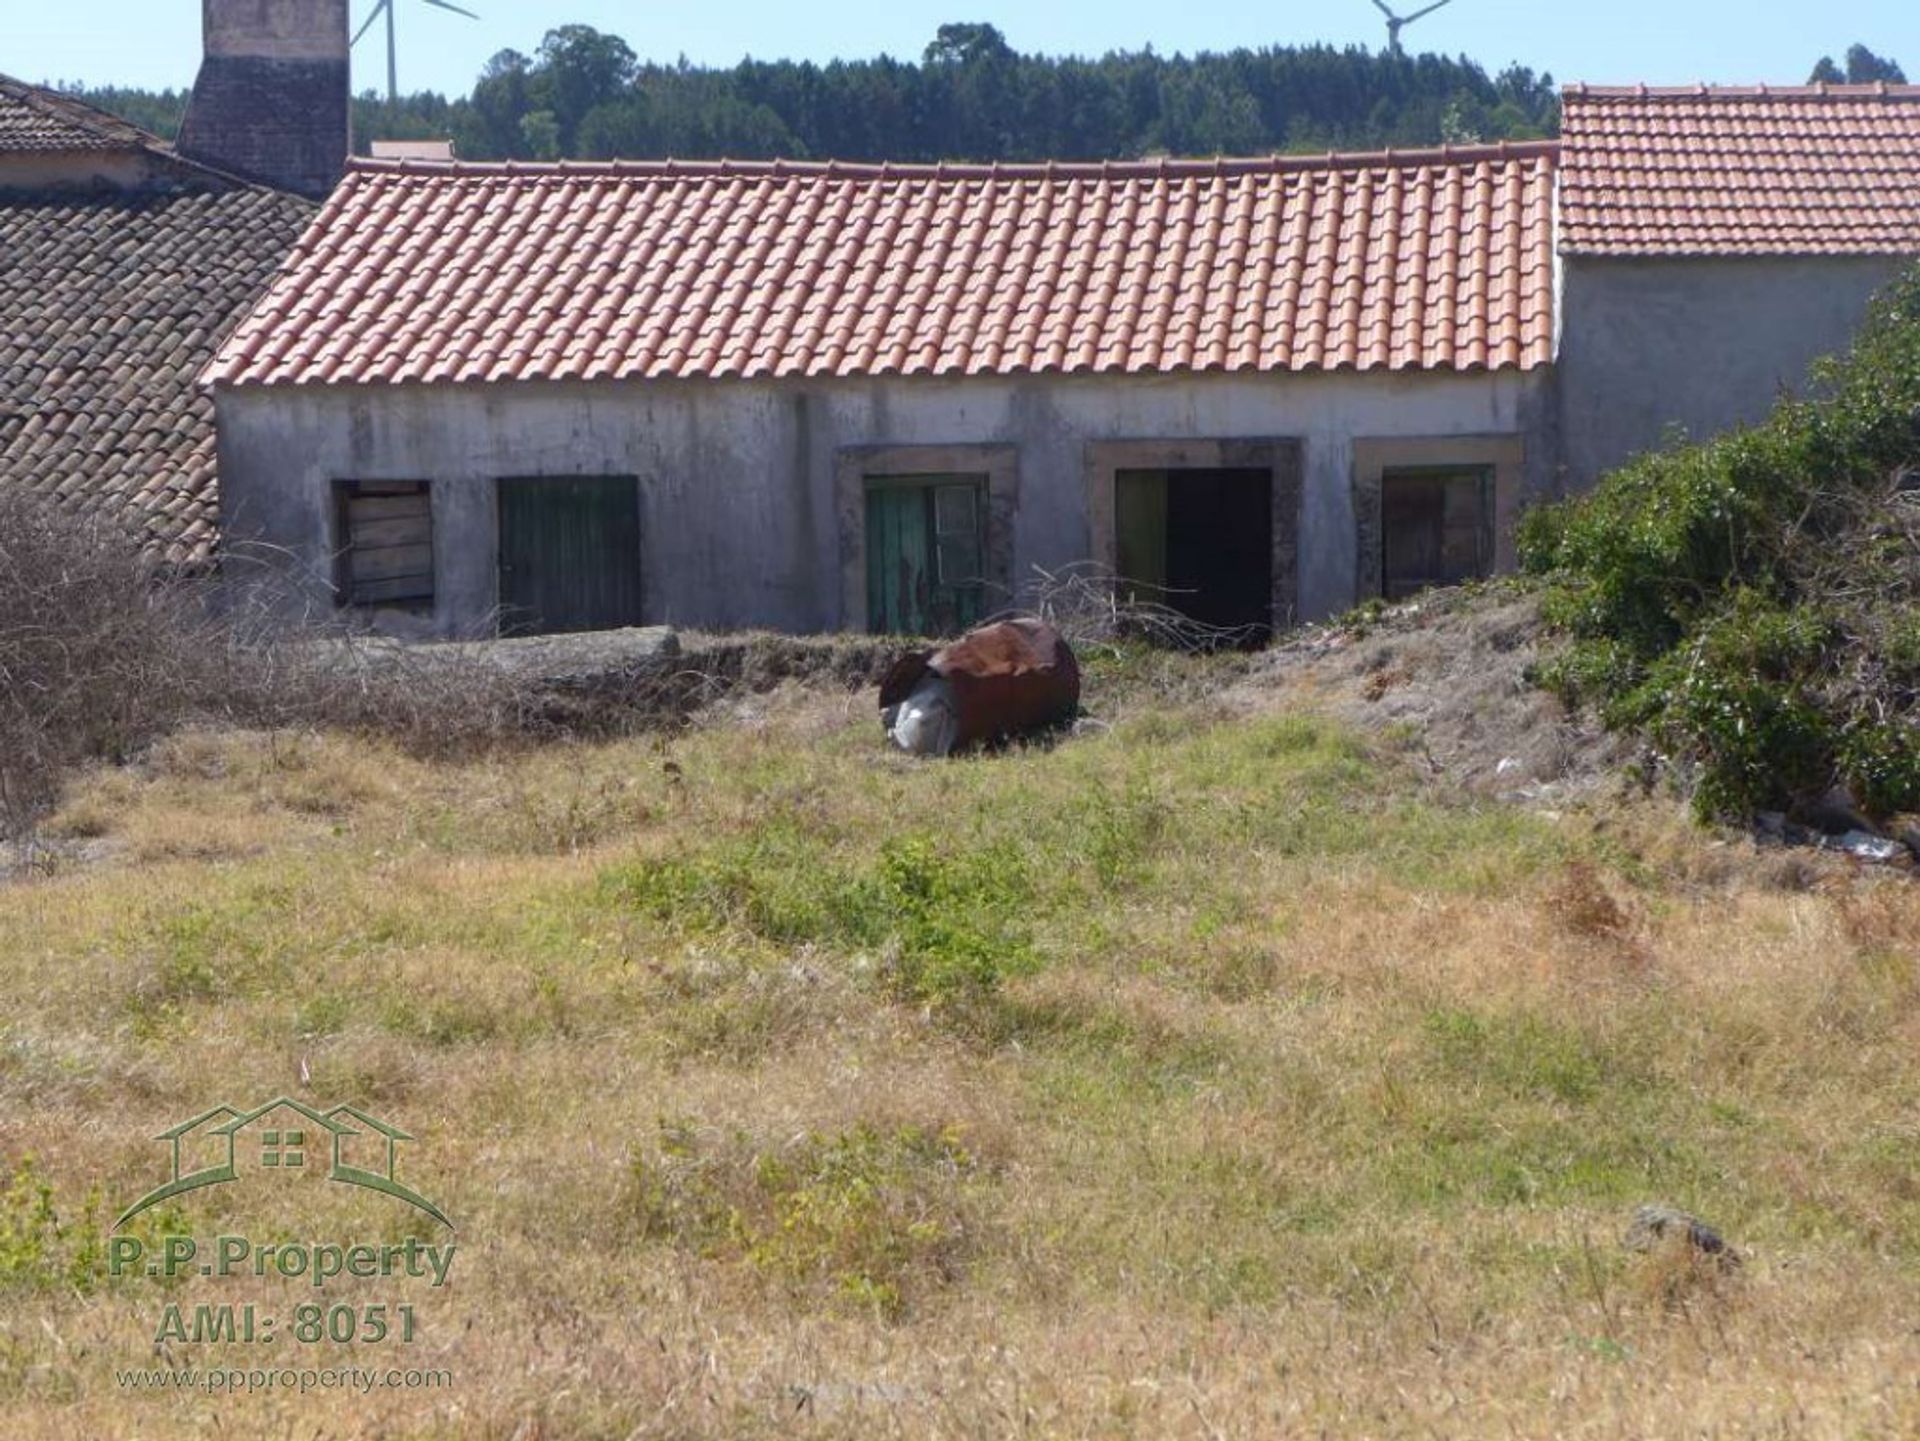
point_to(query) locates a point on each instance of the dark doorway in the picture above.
(1436, 528)
(569, 553)
(1201, 542)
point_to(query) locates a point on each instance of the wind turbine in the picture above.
(393, 60)
(1395, 23)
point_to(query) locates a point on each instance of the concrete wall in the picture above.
(1706, 344)
(276, 29)
(737, 478)
(129, 169)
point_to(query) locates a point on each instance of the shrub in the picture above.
(950, 923)
(100, 655)
(875, 1217)
(94, 660)
(955, 921)
(1750, 602)
(40, 1249)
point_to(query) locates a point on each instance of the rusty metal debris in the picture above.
(1011, 678)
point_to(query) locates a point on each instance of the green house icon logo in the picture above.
(354, 1147)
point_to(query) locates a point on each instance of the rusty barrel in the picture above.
(1005, 679)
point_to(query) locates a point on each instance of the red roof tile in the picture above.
(469, 273)
(1809, 170)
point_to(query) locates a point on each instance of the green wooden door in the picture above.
(569, 553)
(926, 554)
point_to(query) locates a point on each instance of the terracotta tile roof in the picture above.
(468, 273)
(41, 122)
(109, 306)
(1810, 170)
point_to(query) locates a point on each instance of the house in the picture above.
(823, 396)
(124, 260)
(1714, 242)
(816, 397)
(202, 1154)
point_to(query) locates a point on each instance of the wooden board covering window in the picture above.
(1436, 529)
(387, 553)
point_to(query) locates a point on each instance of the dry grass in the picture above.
(1185, 1079)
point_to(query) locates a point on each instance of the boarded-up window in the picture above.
(1436, 528)
(926, 553)
(386, 550)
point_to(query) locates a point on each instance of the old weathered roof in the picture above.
(1806, 170)
(1438, 260)
(110, 305)
(41, 122)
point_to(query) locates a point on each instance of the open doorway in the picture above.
(1199, 541)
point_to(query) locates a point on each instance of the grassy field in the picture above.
(1189, 1078)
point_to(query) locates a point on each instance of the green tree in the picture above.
(490, 128)
(581, 69)
(968, 45)
(1865, 68)
(540, 136)
(157, 111)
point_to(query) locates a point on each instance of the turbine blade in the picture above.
(1381, 7)
(1428, 11)
(372, 16)
(443, 5)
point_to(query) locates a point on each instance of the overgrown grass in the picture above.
(876, 1219)
(104, 659)
(1102, 1083)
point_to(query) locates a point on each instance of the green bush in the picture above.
(878, 1218)
(949, 921)
(39, 1248)
(1749, 602)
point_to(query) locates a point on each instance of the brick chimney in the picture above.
(272, 102)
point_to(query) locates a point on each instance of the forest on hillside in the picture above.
(585, 95)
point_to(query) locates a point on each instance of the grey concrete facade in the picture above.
(1651, 346)
(740, 482)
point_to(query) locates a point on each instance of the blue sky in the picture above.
(156, 42)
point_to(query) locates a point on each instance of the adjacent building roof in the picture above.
(40, 122)
(1436, 260)
(110, 305)
(1814, 170)
(411, 149)
(113, 296)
